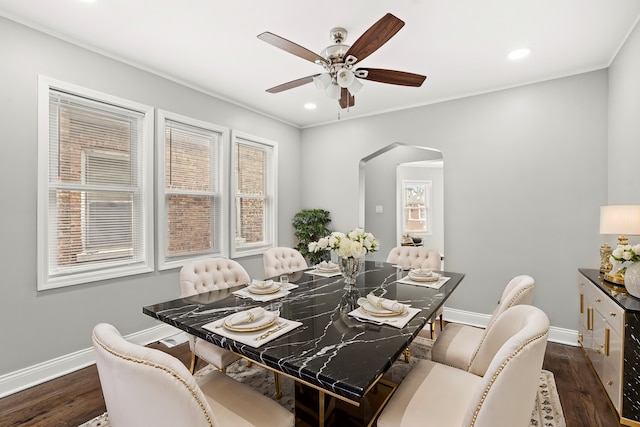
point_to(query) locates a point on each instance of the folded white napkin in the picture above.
(384, 303)
(422, 272)
(261, 284)
(247, 316)
(324, 265)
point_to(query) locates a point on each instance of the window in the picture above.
(192, 208)
(94, 200)
(254, 205)
(416, 207)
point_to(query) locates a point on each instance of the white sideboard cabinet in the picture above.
(609, 332)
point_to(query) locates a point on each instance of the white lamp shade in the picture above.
(333, 91)
(620, 219)
(322, 81)
(345, 77)
(355, 87)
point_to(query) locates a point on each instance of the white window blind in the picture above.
(254, 186)
(193, 211)
(95, 194)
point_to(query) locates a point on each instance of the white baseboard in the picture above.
(557, 335)
(37, 374)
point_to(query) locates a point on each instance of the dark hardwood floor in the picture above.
(76, 397)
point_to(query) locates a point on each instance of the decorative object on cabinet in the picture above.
(632, 279)
(605, 254)
(609, 333)
(622, 220)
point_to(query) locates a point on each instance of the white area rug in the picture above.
(547, 411)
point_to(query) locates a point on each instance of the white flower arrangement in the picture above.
(355, 244)
(623, 255)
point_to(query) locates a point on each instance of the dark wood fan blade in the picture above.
(377, 35)
(393, 77)
(292, 84)
(291, 47)
(346, 99)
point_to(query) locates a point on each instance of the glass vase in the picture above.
(350, 267)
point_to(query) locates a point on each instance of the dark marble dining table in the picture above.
(336, 354)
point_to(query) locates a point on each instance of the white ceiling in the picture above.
(460, 45)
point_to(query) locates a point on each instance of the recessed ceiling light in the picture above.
(518, 54)
(310, 106)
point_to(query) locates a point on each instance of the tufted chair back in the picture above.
(211, 274)
(416, 257)
(282, 260)
(513, 352)
(144, 386)
(518, 291)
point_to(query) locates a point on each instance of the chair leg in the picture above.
(441, 323)
(432, 326)
(407, 355)
(276, 379)
(194, 362)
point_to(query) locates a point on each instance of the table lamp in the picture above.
(622, 220)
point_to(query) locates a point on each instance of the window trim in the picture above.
(45, 281)
(161, 118)
(428, 206)
(271, 199)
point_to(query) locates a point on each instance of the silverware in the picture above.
(280, 325)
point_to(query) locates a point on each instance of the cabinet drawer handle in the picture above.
(612, 314)
(590, 319)
(581, 303)
(607, 336)
(598, 300)
(609, 382)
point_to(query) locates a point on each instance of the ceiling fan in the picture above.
(340, 79)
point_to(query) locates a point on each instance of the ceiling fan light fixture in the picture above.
(345, 77)
(333, 91)
(322, 81)
(355, 87)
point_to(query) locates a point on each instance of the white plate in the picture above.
(433, 278)
(265, 321)
(320, 270)
(275, 287)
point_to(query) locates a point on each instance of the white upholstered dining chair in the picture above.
(205, 275)
(148, 387)
(458, 344)
(282, 260)
(213, 274)
(411, 257)
(511, 358)
(415, 257)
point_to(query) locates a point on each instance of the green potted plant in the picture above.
(311, 225)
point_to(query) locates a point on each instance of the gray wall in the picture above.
(39, 326)
(624, 124)
(525, 173)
